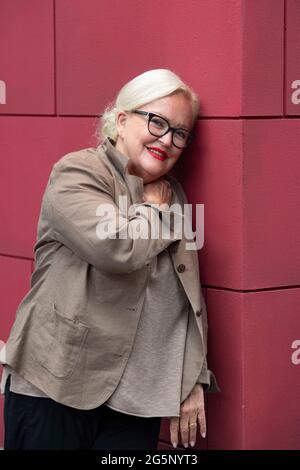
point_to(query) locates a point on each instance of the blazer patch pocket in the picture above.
(58, 342)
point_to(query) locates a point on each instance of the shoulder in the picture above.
(84, 164)
(90, 157)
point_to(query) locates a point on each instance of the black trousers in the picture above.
(34, 423)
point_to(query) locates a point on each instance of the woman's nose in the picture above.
(166, 139)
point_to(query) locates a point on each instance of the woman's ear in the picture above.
(121, 122)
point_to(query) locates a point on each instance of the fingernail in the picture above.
(185, 445)
(174, 444)
(192, 443)
(203, 434)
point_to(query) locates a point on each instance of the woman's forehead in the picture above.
(172, 108)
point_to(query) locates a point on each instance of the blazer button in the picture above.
(198, 313)
(181, 268)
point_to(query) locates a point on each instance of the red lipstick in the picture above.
(157, 153)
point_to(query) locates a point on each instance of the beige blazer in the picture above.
(75, 328)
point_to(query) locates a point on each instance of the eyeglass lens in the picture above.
(158, 126)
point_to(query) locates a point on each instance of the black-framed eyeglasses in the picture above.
(159, 126)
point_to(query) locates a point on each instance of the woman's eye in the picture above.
(181, 134)
(157, 122)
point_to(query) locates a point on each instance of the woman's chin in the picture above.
(153, 166)
(152, 174)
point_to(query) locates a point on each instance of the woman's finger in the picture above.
(193, 424)
(184, 429)
(174, 427)
(202, 422)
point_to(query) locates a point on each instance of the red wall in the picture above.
(62, 61)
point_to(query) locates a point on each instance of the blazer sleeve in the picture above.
(208, 380)
(83, 216)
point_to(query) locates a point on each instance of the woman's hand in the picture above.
(158, 192)
(191, 412)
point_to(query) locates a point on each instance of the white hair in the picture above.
(141, 90)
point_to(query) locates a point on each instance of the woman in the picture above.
(112, 335)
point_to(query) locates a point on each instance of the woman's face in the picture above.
(135, 141)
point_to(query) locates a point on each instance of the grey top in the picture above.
(151, 382)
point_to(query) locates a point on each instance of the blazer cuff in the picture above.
(209, 382)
